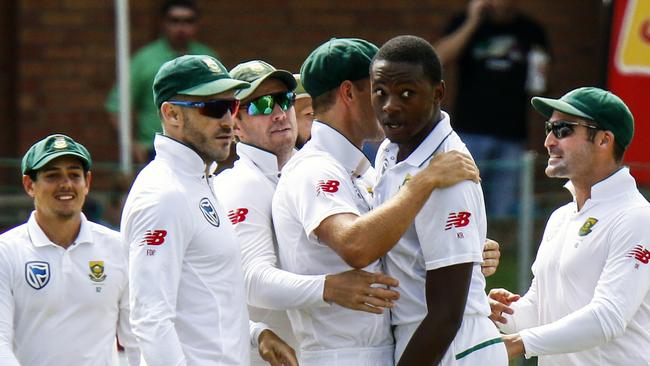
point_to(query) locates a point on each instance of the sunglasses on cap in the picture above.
(562, 129)
(215, 108)
(264, 105)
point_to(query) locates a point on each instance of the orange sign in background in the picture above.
(629, 76)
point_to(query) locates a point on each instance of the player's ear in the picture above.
(171, 115)
(28, 185)
(345, 92)
(439, 91)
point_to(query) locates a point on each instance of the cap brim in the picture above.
(285, 76)
(49, 158)
(216, 87)
(546, 106)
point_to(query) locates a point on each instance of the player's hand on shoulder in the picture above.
(491, 255)
(448, 168)
(357, 289)
(500, 300)
(275, 351)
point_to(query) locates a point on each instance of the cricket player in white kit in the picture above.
(320, 208)
(266, 128)
(63, 279)
(187, 289)
(589, 302)
(437, 260)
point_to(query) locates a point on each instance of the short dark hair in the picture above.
(619, 151)
(168, 4)
(326, 100)
(413, 50)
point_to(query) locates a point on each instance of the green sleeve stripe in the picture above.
(478, 347)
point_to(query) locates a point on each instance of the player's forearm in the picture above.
(272, 288)
(372, 235)
(575, 332)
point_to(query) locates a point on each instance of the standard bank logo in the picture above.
(37, 274)
(209, 212)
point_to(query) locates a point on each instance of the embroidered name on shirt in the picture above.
(585, 229)
(237, 215)
(327, 186)
(641, 254)
(459, 219)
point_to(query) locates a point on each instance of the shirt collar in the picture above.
(328, 139)
(180, 156)
(265, 161)
(39, 239)
(423, 152)
(619, 182)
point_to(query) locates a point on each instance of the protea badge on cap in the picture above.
(607, 110)
(199, 75)
(255, 72)
(51, 148)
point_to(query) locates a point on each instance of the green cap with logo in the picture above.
(255, 72)
(335, 61)
(601, 106)
(52, 147)
(198, 75)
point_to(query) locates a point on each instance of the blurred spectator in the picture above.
(493, 45)
(179, 28)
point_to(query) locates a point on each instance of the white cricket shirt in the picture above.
(246, 192)
(63, 307)
(589, 302)
(324, 178)
(449, 229)
(187, 286)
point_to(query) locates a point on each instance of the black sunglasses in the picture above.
(215, 108)
(264, 104)
(562, 129)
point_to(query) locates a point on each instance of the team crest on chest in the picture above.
(208, 211)
(96, 271)
(37, 274)
(585, 229)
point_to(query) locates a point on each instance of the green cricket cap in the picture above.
(52, 147)
(607, 110)
(335, 61)
(198, 75)
(255, 72)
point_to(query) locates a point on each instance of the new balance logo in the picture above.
(459, 219)
(327, 186)
(641, 254)
(237, 215)
(154, 237)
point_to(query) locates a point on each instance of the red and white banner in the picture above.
(629, 76)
